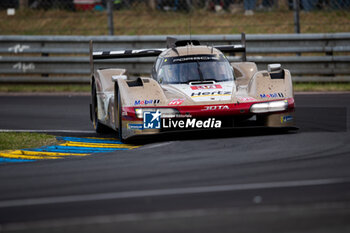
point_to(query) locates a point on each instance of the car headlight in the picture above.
(166, 112)
(274, 106)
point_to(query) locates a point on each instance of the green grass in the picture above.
(13, 141)
(329, 87)
(80, 88)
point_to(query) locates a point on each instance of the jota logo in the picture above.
(197, 94)
(273, 95)
(204, 87)
(213, 108)
(151, 120)
(141, 102)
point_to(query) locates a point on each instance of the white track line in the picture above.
(44, 131)
(165, 192)
(155, 145)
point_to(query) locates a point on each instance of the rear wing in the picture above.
(126, 53)
(171, 42)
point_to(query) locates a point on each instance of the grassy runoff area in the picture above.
(14, 141)
(322, 87)
(85, 88)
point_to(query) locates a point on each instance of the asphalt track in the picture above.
(224, 181)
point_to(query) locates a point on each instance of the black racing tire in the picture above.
(99, 128)
(119, 115)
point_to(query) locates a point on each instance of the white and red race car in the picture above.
(191, 87)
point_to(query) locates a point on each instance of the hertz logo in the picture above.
(196, 94)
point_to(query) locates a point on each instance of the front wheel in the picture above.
(99, 128)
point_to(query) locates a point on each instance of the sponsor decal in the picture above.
(215, 107)
(285, 119)
(246, 99)
(272, 95)
(191, 123)
(205, 87)
(142, 102)
(135, 126)
(206, 93)
(177, 115)
(151, 120)
(176, 102)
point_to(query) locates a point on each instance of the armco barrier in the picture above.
(57, 59)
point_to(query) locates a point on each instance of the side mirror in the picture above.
(274, 68)
(276, 71)
(116, 77)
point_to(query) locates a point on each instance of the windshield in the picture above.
(185, 69)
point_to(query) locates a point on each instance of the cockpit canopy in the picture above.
(185, 69)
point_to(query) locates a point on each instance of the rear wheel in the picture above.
(119, 122)
(99, 128)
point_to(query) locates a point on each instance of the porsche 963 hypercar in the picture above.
(192, 86)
